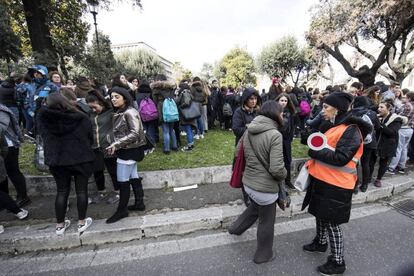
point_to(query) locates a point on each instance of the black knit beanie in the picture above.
(361, 101)
(123, 92)
(339, 100)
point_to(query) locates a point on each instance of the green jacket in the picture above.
(267, 142)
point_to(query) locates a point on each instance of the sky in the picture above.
(196, 31)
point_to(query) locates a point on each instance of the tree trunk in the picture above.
(39, 32)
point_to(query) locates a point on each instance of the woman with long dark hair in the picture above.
(129, 136)
(387, 137)
(262, 178)
(288, 131)
(67, 136)
(101, 119)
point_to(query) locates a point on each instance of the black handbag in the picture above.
(191, 112)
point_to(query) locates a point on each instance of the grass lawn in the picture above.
(217, 148)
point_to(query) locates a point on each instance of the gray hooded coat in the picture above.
(265, 169)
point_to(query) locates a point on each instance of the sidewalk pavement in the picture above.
(167, 179)
(41, 236)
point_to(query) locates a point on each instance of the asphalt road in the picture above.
(381, 244)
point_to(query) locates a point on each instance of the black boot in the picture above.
(136, 184)
(363, 188)
(315, 246)
(122, 211)
(331, 267)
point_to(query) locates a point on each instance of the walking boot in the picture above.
(136, 184)
(331, 267)
(122, 210)
(315, 246)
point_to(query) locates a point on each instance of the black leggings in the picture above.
(366, 166)
(383, 165)
(13, 171)
(8, 203)
(63, 189)
(110, 165)
(287, 158)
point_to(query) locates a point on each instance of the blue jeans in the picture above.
(15, 111)
(400, 158)
(126, 172)
(28, 119)
(190, 136)
(200, 126)
(168, 133)
(150, 129)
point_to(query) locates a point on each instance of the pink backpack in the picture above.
(147, 110)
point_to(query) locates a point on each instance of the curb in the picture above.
(42, 237)
(45, 185)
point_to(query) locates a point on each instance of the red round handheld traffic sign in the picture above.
(317, 141)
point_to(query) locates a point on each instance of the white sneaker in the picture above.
(1, 229)
(183, 133)
(60, 230)
(196, 137)
(202, 136)
(83, 227)
(22, 214)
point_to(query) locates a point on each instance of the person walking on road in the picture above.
(262, 178)
(333, 172)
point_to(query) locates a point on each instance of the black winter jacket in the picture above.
(387, 135)
(7, 94)
(67, 137)
(328, 202)
(242, 116)
(359, 112)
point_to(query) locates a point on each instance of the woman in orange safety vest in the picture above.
(333, 177)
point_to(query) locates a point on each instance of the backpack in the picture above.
(186, 99)
(304, 108)
(169, 111)
(20, 95)
(227, 110)
(147, 110)
(368, 138)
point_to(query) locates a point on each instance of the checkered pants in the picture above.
(335, 238)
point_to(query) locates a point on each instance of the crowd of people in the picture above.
(85, 128)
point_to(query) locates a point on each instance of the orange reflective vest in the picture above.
(343, 177)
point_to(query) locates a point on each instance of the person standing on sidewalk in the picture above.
(6, 202)
(13, 136)
(404, 134)
(387, 136)
(288, 131)
(242, 117)
(361, 109)
(129, 136)
(68, 138)
(262, 178)
(333, 172)
(101, 119)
